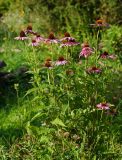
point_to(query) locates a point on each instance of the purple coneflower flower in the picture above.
(48, 64)
(94, 70)
(34, 43)
(51, 39)
(29, 29)
(105, 55)
(86, 51)
(70, 43)
(67, 37)
(39, 38)
(103, 106)
(61, 61)
(100, 23)
(22, 36)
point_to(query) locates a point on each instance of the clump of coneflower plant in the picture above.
(22, 36)
(69, 110)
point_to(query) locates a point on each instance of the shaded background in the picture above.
(52, 15)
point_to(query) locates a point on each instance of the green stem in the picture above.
(67, 52)
(48, 75)
(97, 42)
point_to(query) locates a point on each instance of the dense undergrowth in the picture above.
(60, 99)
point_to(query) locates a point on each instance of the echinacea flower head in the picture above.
(101, 24)
(48, 64)
(39, 38)
(51, 39)
(68, 40)
(34, 43)
(105, 55)
(51, 36)
(93, 70)
(66, 34)
(61, 61)
(86, 51)
(29, 29)
(70, 43)
(67, 37)
(103, 106)
(22, 36)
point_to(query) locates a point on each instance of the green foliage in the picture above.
(54, 17)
